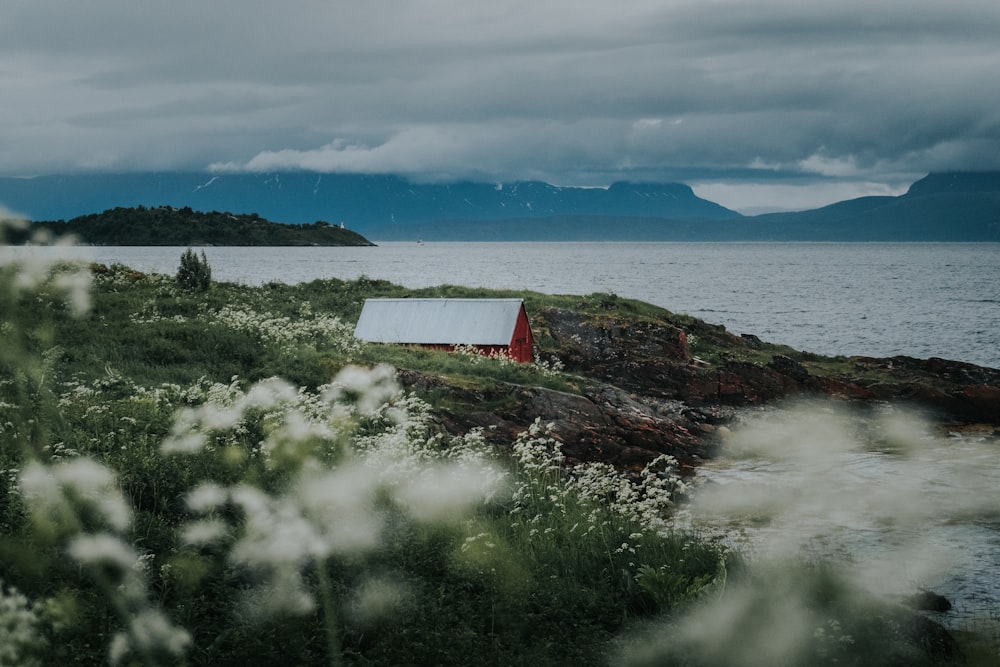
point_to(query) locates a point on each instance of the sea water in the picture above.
(909, 510)
(872, 299)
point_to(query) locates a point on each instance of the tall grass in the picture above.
(230, 477)
(167, 500)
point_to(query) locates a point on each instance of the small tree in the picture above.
(194, 273)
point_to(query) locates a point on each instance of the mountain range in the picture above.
(952, 206)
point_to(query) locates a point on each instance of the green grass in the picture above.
(552, 566)
(108, 386)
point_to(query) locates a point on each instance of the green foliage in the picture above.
(194, 273)
(165, 499)
(670, 586)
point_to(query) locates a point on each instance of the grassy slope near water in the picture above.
(544, 572)
(108, 383)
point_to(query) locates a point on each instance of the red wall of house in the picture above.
(522, 344)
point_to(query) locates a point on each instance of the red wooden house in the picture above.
(489, 325)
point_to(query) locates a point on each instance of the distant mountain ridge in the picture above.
(360, 201)
(952, 206)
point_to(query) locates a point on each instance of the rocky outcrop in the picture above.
(650, 358)
(606, 423)
(601, 423)
(642, 393)
(954, 390)
(653, 359)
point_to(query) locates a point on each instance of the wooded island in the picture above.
(169, 226)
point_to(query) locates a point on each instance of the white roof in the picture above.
(438, 321)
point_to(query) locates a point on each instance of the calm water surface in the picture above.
(876, 299)
(925, 515)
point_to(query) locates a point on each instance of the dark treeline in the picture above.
(169, 226)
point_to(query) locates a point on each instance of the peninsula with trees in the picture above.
(170, 226)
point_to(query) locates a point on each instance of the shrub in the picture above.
(194, 273)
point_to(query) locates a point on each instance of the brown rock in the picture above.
(643, 394)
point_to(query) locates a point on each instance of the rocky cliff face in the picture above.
(643, 393)
(654, 360)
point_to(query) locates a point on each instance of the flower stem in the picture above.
(329, 615)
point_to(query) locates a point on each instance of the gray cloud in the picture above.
(855, 94)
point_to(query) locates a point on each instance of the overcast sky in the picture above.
(755, 103)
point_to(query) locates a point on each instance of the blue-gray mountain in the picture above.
(361, 201)
(940, 207)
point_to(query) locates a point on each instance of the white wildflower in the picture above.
(76, 284)
(19, 628)
(283, 594)
(296, 430)
(340, 506)
(287, 332)
(205, 531)
(279, 538)
(189, 442)
(269, 393)
(368, 389)
(445, 491)
(102, 549)
(377, 597)
(149, 632)
(51, 491)
(206, 497)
